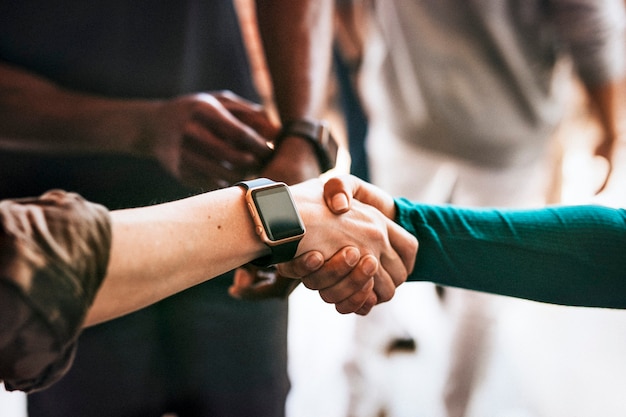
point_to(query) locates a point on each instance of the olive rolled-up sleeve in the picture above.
(54, 252)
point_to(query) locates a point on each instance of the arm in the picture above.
(207, 140)
(297, 38)
(38, 113)
(59, 250)
(54, 252)
(608, 103)
(188, 241)
(561, 255)
(593, 32)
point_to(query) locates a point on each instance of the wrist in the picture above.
(276, 219)
(143, 139)
(317, 134)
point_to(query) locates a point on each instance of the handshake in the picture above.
(353, 252)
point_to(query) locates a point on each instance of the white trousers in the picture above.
(479, 355)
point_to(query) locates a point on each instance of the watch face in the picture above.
(278, 213)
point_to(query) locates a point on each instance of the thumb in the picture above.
(341, 190)
(338, 193)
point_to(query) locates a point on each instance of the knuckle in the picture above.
(399, 279)
(329, 297)
(352, 304)
(311, 282)
(386, 295)
(346, 307)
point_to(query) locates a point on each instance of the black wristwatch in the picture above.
(317, 133)
(276, 219)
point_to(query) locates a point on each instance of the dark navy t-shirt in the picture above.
(120, 48)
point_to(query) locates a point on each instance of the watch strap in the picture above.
(317, 133)
(281, 253)
(258, 182)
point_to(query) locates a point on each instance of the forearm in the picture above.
(608, 104)
(160, 250)
(35, 113)
(297, 38)
(564, 255)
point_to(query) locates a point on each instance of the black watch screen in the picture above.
(277, 213)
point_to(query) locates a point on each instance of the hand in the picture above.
(606, 149)
(613, 193)
(346, 279)
(340, 191)
(254, 283)
(360, 226)
(210, 140)
(294, 162)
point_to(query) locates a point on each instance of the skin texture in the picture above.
(152, 248)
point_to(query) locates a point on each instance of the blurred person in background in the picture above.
(464, 102)
(131, 104)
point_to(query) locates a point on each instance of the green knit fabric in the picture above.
(571, 255)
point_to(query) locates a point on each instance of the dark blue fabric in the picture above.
(124, 48)
(199, 353)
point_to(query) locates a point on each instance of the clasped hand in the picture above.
(352, 253)
(211, 140)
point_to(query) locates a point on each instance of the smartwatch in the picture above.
(317, 133)
(276, 219)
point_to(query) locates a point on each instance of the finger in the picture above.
(338, 193)
(217, 119)
(405, 245)
(357, 301)
(371, 301)
(605, 180)
(301, 266)
(264, 289)
(384, 285)
(231, 100)
(207, 174)
(251, 114)
(242, 280)
(209, 144)
(371, 195)
(257, 284)
(334, 270)
(353, 282)
(392, 274)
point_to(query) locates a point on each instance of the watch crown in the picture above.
(251, 210)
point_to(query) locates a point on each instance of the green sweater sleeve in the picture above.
(571, 255)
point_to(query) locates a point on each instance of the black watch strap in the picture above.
(318, 134)
(280, 253)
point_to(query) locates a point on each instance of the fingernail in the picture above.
(340, 202)
(351, 256)
(314, 262)
(369, 266)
